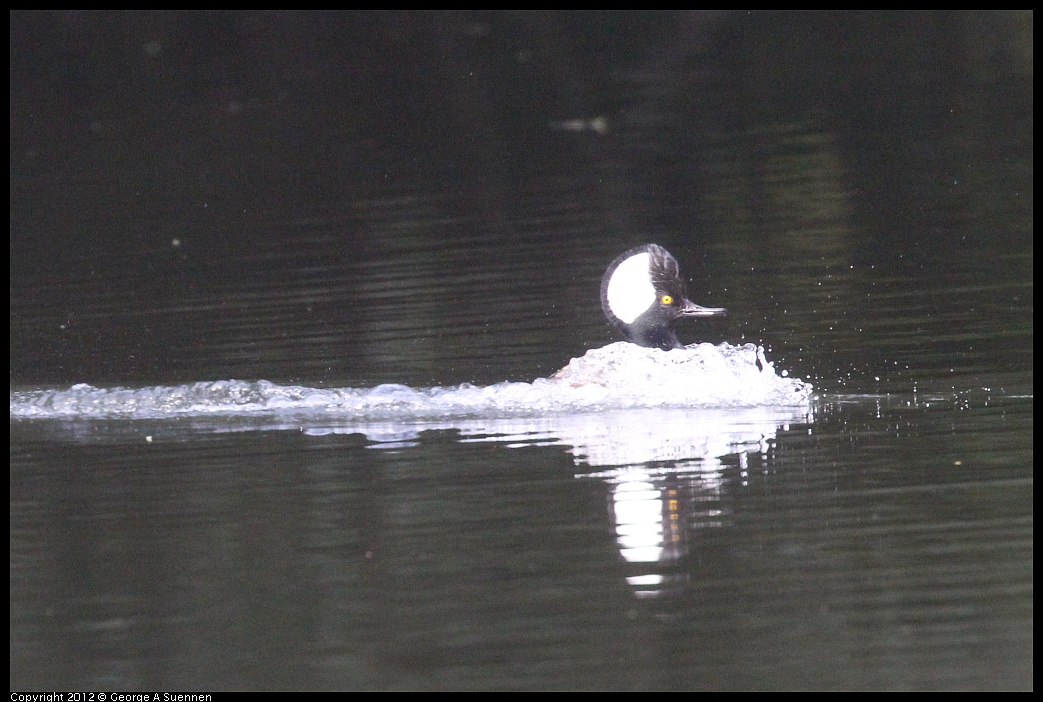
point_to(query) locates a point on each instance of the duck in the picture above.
(643, 296)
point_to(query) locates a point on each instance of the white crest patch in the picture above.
(630, 291)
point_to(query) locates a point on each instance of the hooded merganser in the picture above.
(643, 295)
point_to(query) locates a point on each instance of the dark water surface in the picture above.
(348, 200)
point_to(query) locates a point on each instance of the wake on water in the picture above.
(618, 376)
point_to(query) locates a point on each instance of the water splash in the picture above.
(617, 376)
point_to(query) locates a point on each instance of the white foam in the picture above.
(700, 375)
(617, 376)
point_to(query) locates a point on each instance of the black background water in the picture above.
(348, 199)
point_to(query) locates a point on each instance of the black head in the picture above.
(643, 295)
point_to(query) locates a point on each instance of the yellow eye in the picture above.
(666, 300)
